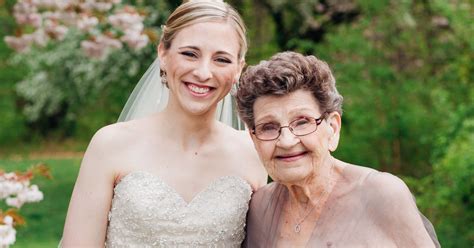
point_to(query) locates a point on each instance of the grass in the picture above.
(45, 219)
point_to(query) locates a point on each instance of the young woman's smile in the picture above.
(201, 65)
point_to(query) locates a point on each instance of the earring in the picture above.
(164, 80)
(233, 89)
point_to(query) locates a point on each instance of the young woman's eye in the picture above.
(224, 60)
(189, 54)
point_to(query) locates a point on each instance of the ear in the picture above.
(162, 52)
(251, 134)
(334, 121)
(241, 67)
(256, 143)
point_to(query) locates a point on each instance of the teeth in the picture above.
(199, 90)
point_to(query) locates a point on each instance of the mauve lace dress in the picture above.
(366, 208)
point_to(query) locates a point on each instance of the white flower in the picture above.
(10, 187)
(14, 202)
(32, 194)
(11, 176)
(7, 232)
(8, 220)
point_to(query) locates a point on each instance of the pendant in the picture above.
(297, 228)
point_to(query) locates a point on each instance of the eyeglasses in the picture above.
(299, 127)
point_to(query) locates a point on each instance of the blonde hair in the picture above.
(197, 11)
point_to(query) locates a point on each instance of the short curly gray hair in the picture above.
(284, 73)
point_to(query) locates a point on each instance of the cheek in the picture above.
(265, 151)
(227, 76)
(317, 146)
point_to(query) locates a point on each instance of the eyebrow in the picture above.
(197, 48)
(299, 110)
(303, 108)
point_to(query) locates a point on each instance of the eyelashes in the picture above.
(224, 60)
(189, 54)
(194, 55)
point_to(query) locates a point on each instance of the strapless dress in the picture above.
(147, 212)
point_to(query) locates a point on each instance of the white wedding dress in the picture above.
(146, 212)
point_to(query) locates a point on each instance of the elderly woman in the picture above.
(293, 111)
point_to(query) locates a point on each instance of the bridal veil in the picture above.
(151, 95)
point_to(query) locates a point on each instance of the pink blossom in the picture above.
(68, 17)
(18, 44)
(109, 42)
(52, 15)
(33, 19)
(125, 21)
(135, 40)
(55, 31)
(87, 23)
(51, 19)
(25, 7)
(102, 6)
(45, 3)
(93, 49)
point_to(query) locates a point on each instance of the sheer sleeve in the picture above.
(264, 216)
(394, 211)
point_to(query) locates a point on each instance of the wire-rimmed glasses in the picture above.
(299, 127)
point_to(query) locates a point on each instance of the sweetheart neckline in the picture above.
(175, 192)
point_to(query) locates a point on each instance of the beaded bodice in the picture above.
(146, 212)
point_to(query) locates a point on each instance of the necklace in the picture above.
(297, 227)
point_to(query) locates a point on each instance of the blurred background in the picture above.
(405, 69)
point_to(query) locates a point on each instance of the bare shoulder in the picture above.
(392, 206)
(380, 187)
(387, 185)
(111, 137)
(110, 144)
(390, 196)
(244, 152)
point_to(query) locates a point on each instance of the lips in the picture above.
(199, 90)
(291, 156)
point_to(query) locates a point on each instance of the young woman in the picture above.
(174, 178)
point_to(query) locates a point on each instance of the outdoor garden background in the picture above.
(405, 69)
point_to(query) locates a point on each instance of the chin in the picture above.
(290, 176)
(197, 108)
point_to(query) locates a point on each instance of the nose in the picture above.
(287, 139)
(203, 71)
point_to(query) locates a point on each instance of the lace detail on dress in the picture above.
(147, 212)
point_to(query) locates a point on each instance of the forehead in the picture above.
(209, 35)
(285, 107)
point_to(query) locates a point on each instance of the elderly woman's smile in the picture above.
(293, 110)
(290, 157)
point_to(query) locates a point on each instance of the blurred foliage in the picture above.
(405, 69)
(447, 195)
(45, 220)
